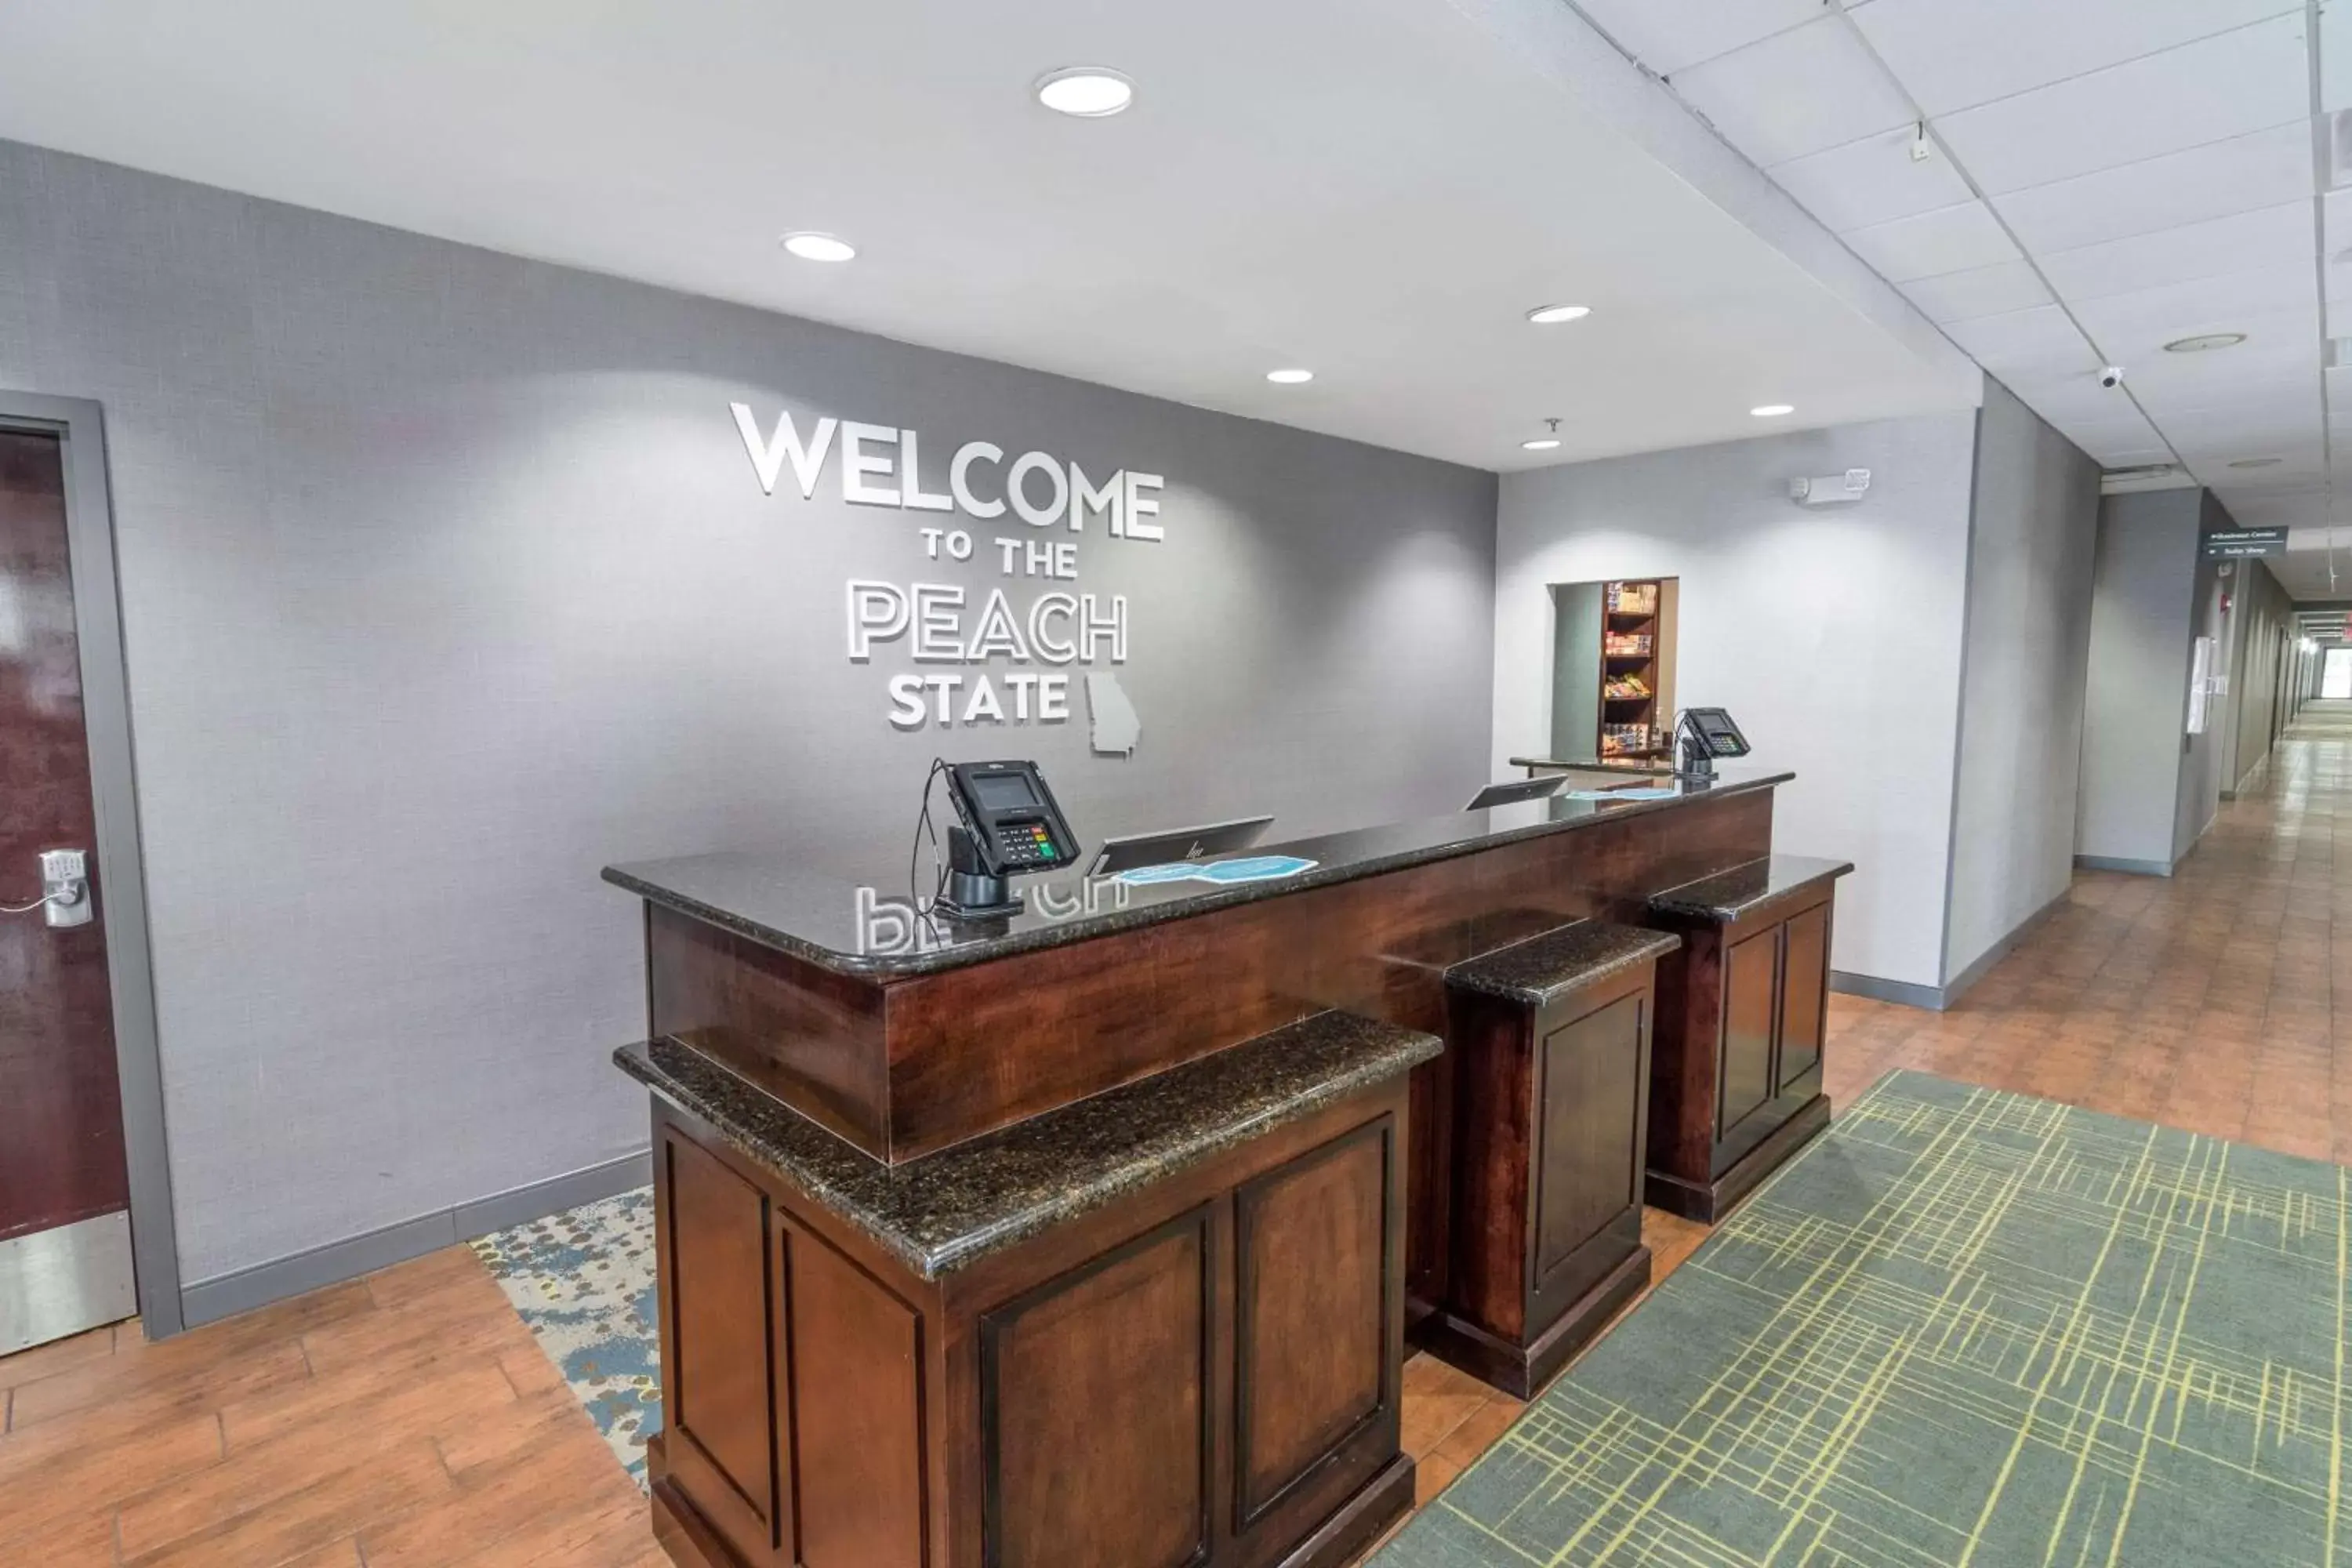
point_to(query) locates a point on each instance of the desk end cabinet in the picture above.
(1735, 1070)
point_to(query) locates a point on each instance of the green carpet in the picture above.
(1961, 1328)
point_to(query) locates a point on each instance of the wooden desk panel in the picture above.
(905, 1066)
(1206, 1372)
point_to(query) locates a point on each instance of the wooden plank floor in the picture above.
(409, 1419)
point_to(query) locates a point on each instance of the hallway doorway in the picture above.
(65, 1187)
(2335, 674)
(86, 1234)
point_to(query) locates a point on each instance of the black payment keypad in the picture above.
(1025, 844)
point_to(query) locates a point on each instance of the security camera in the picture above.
(2112, 377)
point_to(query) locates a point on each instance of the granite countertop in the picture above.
(869, 927)
(1658, 767)
(939, 1214)
(1574, 956)
(1729, 895)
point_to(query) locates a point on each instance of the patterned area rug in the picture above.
(1963, 1327)
(583, 1280)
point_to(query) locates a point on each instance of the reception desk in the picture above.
(1139, 1170)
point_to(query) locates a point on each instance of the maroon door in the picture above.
(60, 1116)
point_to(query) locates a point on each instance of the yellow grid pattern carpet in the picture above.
(1963, 1327)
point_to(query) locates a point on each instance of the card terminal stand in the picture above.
(1010, 827)
(1707, 734)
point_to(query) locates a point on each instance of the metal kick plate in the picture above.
(62, 1280)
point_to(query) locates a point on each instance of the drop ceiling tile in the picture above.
(1796, 93)
(2278, 370)
(2074, 398)
(2225, 85)
(2040, 343)
(2335, 217)
(2213, 466)
(2130, 432)
(1956, 239)
(2271, 411)
(2335, 60)
(2301, 463)
(2219, 446)
(2270, 305)
(2270, 237)
(2290, 478)
(2262, 169)
(1873, 181)
(2218, 440)
(1668, 35)
(1955, 53)
(2118, 443)
(2286, 403)
(1980, 291)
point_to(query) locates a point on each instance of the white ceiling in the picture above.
(1375, 189)
(2303, 570)
(2104, 177)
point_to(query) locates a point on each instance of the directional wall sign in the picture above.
(2238, 544)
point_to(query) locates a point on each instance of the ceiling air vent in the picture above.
(2143, 476)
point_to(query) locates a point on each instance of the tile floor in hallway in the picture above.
(409, 1418)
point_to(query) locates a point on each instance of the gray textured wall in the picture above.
(1833, 636)
(2204, 763)
(2261, 619)
(446, 581)
(2138, 695)
(2030, 546)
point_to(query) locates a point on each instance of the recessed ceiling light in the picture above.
(819, 246)
(1088, 91)
(2204, 343)
(1541, 444)
(2257, 462)
(1772, 410)
(1289, 377)
(1545, 315)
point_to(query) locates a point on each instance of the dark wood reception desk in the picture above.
(959, 1224)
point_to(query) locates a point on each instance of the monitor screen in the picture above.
(1003, 791)
(1171, 844)
(1505, 794)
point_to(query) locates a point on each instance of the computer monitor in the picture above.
(1517, 790)
(1175, 844)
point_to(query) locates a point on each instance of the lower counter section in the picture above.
(1738, 1068)
(1204, 1371)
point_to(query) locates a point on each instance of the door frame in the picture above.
(81, 427)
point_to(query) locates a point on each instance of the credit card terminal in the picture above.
(1014, 824)
(1717, 733)
(1706, 734)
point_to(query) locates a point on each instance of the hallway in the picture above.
(2203, 1001)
